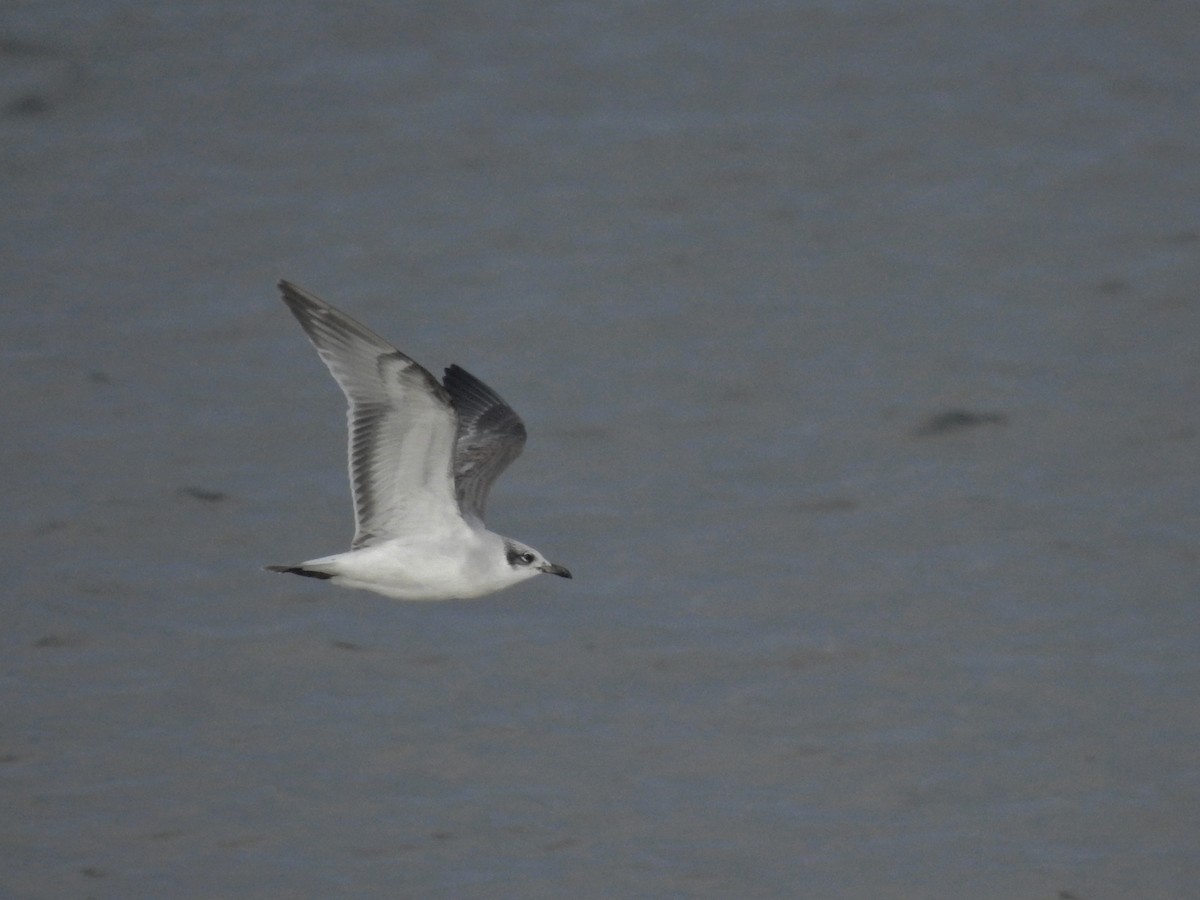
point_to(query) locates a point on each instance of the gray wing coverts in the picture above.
(489, 437)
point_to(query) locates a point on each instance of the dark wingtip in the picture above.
(288, 289)
(293, 294)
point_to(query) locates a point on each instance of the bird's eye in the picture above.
(519, 557)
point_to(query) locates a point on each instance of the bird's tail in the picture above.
(299, 570)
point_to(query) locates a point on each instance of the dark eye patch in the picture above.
(519, 557)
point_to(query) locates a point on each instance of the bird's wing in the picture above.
(490, 436)
(402, 426)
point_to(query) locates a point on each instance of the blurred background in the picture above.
(859, 347)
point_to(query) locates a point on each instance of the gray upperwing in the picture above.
(489, 437)
(402, 424)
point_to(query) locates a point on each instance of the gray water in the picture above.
(858, 344)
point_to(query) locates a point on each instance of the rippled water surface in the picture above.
(858, 347)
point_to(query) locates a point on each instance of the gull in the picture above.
(423, 457)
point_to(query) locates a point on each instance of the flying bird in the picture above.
(423, 457)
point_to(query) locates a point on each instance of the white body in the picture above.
(426, 569)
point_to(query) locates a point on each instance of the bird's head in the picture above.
(525, 559)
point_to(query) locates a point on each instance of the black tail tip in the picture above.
(299, 570)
